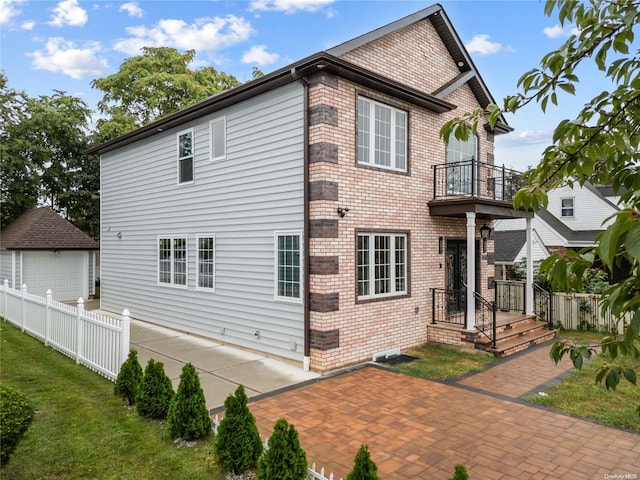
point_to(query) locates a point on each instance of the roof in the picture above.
(43, 229)
(572, 236)
(330, 61)
(508, 244)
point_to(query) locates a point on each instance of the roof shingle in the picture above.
(43, 229)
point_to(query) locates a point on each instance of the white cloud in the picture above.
(289, 6)
(527, 137)
(8, 10)
(480, 44)
(205, 34)
(61, 56)
(67, 12)
(132, 9)
(560, 31)
(258, 55)
(27, 25)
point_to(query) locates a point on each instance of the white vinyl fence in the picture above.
(96, 341)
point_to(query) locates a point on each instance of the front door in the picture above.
(456, 272)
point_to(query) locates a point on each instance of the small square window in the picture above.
(567, 207)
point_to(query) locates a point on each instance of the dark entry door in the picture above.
(456, 275)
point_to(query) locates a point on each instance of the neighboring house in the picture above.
(511, 248)
(44, 251)
(312, 213)
(572, 220)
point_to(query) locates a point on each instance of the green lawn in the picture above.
(580, 395)
(80, 429)
(442, 362)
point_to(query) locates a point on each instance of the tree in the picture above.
(599, 146)
(188, 417)
(363, 466)
(129, 378)
(284, 458)
(43, 159)
(153, 85)
(237, 444)
(155, 392)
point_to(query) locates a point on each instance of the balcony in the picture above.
(473, 186)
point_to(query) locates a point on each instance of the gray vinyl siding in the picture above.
(243, 199)
(6, 267)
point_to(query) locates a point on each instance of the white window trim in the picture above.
(198, 287)
(275, 266)
(186, 273)
(178, 157)
(372, 148)
(222, 120)
(573, 207)
(372, 279)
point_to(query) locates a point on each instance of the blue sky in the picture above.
(63, 45)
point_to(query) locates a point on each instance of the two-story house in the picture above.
(314, 213)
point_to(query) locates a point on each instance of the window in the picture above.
(185, 157)
(382, 265)
(382, 135)
(172, 261)
(206, 262)
(218, 138)
(567, 207)
(461, 167)
(288, 266)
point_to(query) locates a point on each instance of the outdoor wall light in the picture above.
(440, 245)
(342, 211)
(485, 233)
(119, 234)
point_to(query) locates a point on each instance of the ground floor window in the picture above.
(172, 260)
(288, 254)
(382, 265)
(206, 262)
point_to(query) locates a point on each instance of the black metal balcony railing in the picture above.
(472, 178)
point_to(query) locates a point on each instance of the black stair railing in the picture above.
(543, 304)
(486, 318)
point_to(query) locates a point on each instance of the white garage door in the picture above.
(63, 272)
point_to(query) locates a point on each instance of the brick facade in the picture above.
(380, 200)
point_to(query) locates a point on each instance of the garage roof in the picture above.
(43, 229)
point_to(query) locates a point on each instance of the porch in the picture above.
(497, 329)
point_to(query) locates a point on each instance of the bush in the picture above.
(284, 458)
(16, 415)
(460, 473)
(237, 445)
(155, 392)
(129, 377)
(188, 417)
(363, 466)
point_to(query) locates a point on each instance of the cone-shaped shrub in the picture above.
(129, 378)
(16, 414)
(460, 473)
(363, 466)
(155, 392)
(237, 445)
(284, 459)
(188, 417)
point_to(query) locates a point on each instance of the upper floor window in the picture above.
(382, 135)
(288, 266)
(461, 166)
(218, 138)
(206, 262)
(382, 265)
(567, 207)
(172, 260)
(185, 156)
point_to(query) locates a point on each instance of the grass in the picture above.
(443, 362)
(581, 396)
(81, 430)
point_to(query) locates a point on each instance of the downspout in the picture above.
(306, 362)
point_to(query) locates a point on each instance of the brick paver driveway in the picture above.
(419, 429)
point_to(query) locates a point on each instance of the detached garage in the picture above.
(44, 251)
